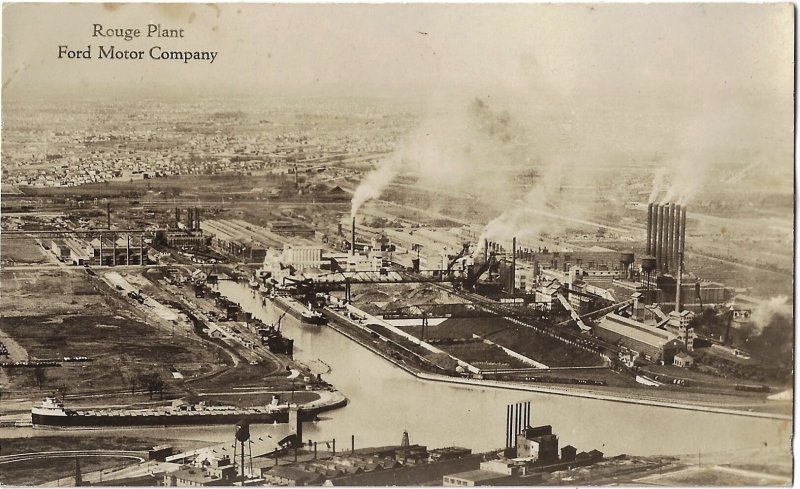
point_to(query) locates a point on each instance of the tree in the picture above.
(153, 383)
(62, 389)
(133, 382)
(40, 375)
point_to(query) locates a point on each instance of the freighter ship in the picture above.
(51, 412)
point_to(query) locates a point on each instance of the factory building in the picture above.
(60, 249)
(184, 239)
(124, 249)
(289, 228)
(650, 343)
(538, 444)
(302, 256)
(596, 263)
(662, 289)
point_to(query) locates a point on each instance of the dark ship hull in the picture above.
(88, 419)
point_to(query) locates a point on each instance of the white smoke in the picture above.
(461, 148)
(702, 148)
(375, 183)
(764, 313)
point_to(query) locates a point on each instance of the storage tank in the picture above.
(648, 263)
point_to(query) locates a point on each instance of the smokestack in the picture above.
(649, 249)
(197, 218)
(108, 213)
(177, 217)
(664, 236)
(659, 235)
(114, 249)
(142, 261)
(677, 231)
(353, 241)
(682, 248)
(128, 251)
(669, 262)
(678, 288)
(485, 249)
(513, 264)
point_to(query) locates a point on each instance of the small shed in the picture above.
(683, 360)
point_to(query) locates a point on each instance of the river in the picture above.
(385, 401)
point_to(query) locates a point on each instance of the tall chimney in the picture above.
(669, 262)
(108, 213)
(189, 218)
(649, 229)
(659, 231)
(128, 251)
(678, 288)
(682, 248)
(177, 217)
(513, 264)
(353, 241)
(664, 252)
(485, 249)
(196, 218)
(676, 245)
(142, 260)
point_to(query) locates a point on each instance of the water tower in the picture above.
(648, 267)
(242, 439)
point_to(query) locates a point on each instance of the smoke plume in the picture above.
(375, 183)
(778, 306)
(463, 148)
(703, 147)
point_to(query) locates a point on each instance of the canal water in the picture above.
(384, 401)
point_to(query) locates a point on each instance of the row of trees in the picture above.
(152, 382)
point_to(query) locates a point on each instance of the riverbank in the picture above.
(339, 324)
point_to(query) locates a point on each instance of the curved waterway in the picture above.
(385, 400)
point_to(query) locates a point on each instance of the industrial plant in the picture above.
(431, 244)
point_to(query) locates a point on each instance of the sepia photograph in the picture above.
(465, 244)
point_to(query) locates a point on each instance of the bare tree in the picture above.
(40, 375)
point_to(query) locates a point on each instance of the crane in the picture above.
(277, 325)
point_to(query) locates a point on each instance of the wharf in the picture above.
(340, 324)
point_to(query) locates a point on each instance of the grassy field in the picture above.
(245, 399)
(483, 356)
(541, 348)
(21, 251)
(39, 471)
(49, 293)
(86, 321)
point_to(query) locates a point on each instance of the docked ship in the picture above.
(311, 316)
(51, 412)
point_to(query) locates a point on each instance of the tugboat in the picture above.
(311, 316)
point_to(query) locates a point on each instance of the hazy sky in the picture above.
(573, 50)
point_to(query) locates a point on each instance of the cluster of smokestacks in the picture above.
(518, 252)
(192, 218)
(666, 235)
